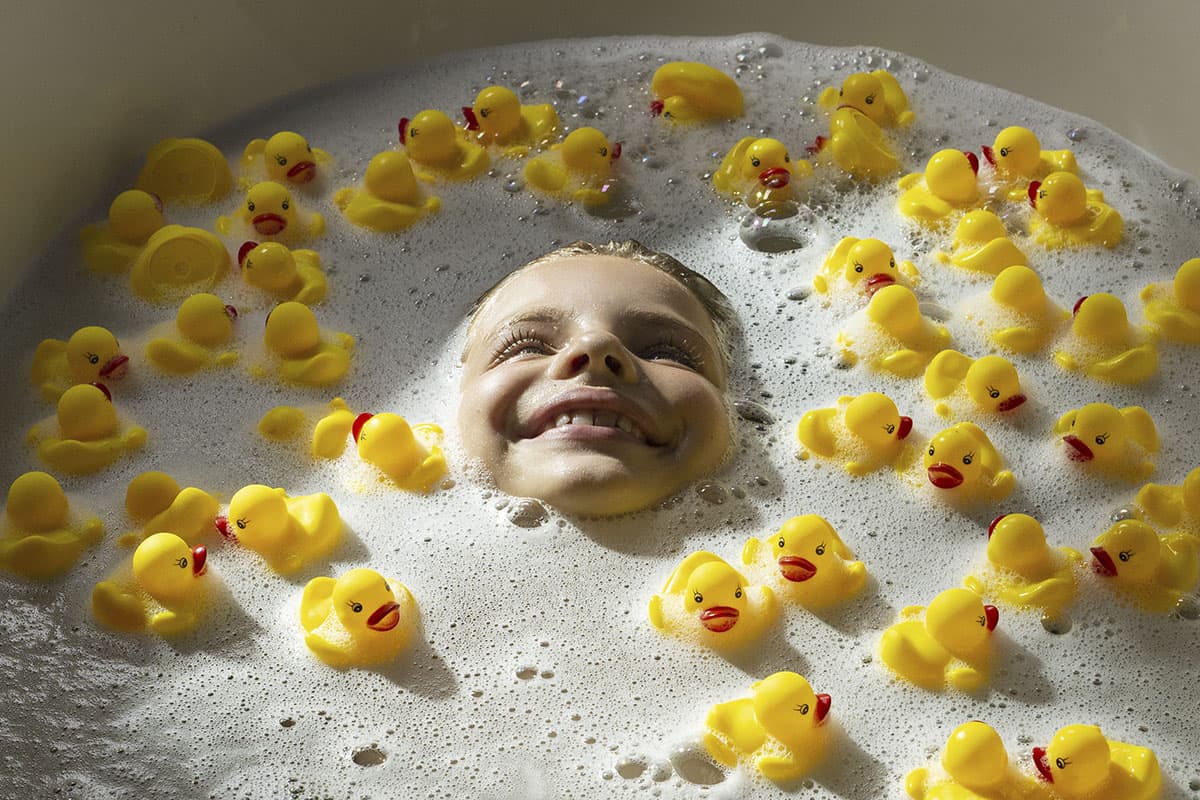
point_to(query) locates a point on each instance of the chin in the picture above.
(595, 486)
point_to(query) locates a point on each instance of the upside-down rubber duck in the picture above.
(390, 198)
(1152, 570)
(779, 730)
(899, 338)
(1174, 507)
(991, 382)
(188, 170)
(1028, 319)
(577, 168)
(1174, 308)
(411, 456)
(687, 91)
(288, 532)
(1105, 346)
(333, 430)
(498, 118)
(808, 562)
(759, 171)
(862, 265)
(1080, 762)
(40, 540)
(203, 323)
(1018, 158)
(162, 589)
(962, 461)
(708, 601)
(158, 503)
(284, 274)
(877, 95)
(133, 217)
(1026, 572)
(286, 157)
(91, 354)
(1071, 215)
(976, 767)
(952, 644)
(867, 431)
(270, 211)
(434, 142)
(359, 619)
(950, 183)
(1118, 441)
(304, 354)
(178, 261)
(981, 244)
(89, 435)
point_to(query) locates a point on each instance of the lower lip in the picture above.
(944, 476)
(589, 433)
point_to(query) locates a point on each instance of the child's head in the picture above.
(595, 377)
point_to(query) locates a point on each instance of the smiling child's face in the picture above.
(594, 383)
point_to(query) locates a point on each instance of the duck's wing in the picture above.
(316, 602)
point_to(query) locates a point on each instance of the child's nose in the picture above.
(596, 352)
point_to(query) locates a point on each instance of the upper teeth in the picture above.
(604, 419)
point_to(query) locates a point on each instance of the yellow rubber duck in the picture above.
(91, 354)
(900, 339)
(1105, 346)
(133, 217)
(1027, 318)
(162, 591)
(1071, 215)
(952, 644)
(961, 460)
(359, 619)
(39, 538)
(1026, 572)
(991, 382)
(1174, 308)
(284, 274)
(332, 431)
(981, 244)
(708, 601)
(158, 503)
(203, 323)
(305, 356)
(867, 431)
(950, 183)
(288, 532)
(1153, 570)
(411, 456)
(687, 91)
(577, 168)
(808, 561)
(857, 146)
(778, 730)
(1173, 507)
(862, 265)
(270, 210)
(1121, 441)
(1018, 158)
(877, 95)
(282, 423)
(498, 118)
(390, 198)
(432, 141)
(286, 157)
(188, 170)
(89, 435)
(976, 767)
(177, 261)
(1081, 763)
(759, 171)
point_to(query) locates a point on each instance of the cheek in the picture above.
(488, 401)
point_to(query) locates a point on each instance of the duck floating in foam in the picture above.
(91, 354)
(778, 731)
(1021, 317)
(1071, 215)
(1153, 571)
(1105, 346)
(133, 217)
(862, 266)
(439, 149)
(186, 170)
(411, 456)
(866, 432)
(178, 261)
(1080, 762)
(950, 183)
(390, 198)
(1173, 309)
(577, 168)
(687, 91)
(359, 619)
(288, 532)
(976, 767)
(1173, 507)
(981, 244)
(87, 435)
(961, 461)
(271, 211)
(164, 590)
(808, 562)
(286, 158)
(306, 355)
(899, 339)
(877, 95)
(282, 273)
(1117, 441)
(990, 382)
(864, 104)
(498, 118)
(759, 171)
(708, 601)
(40, 539)
(203, 324)
(950, 645)
(1017, 157)
(159, 504)
(1026, 572)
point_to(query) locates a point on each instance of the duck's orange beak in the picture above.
(384, 618)
(719, 619)
(1042, 762)
(944, 476)
(824, 701)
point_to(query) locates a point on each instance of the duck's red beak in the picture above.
(223, 527)
(992, 527)
(817, 146)
(991, 616)
(973, 160)
(1009, 403)
(1042, 762)
(796, 569)
(1078, 304)
(404, 130)
(359, 421)
(615, 151)
(269, 224)
(1103, 564)
(774, 177)
(1033, 192)
(905, 427)
(199, 560)
(103, 388)
(719, 619)
(244, 250)
(824, 701)
(384, 618)
(302, 172)
(656, 108)
(231, 311)
(944, 476)
(989, 154)
(1079, 451)
(877, 282)
(115, 367)
(472, 120)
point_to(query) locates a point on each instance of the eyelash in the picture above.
(517, 340)
(678, 351)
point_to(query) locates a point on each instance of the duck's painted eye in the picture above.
(993, 392)
(697, 597)
(968, 458)
(821, 549)
(892, 263)
(93, 358)
(286, 205)
(802, 708)
(982, 620)
(1041, 194)
(890, 428)
(786, 158)
(413, 131)
(1102, 438)
(754, 162)
(1004, 151)
(738, 593)
(242, 523)
(281, 161)
(249, 205)
(780, 542)
(870, 99)
(1125, 555)
(181, 562)
(483, 112)
(931, 451)
(858, 267)
(604, 151)
(355, 607)
(1062, 763)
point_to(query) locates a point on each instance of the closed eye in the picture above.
(518, 343)
(676, 352)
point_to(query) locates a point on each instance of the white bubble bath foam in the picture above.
(536, 673)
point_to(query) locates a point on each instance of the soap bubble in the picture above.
(778, 226)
